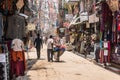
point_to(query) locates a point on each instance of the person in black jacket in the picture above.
(38, 45)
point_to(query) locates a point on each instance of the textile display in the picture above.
(113, 4)
(118, 23)
(97, 51)
(116, 55)
(106, 15)
(101, 56)
(105, 9)
(114, 30)
(1, 26)
(109, 51)
(16, 27)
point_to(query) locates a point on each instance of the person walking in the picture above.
(18, 65)
(57, 45)
(38, 45)
(50, 48)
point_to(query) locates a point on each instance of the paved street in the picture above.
(71, 67)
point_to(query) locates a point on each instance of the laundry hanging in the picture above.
(16, 27)
(1, 26)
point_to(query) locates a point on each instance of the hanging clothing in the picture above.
(82, 47)
(1, 26)
(16, 27)
(97, 51)
(113, 4)
(107, 49)
(105, 45)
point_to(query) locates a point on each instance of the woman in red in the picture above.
(17, 57)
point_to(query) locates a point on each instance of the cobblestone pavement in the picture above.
(71, 67)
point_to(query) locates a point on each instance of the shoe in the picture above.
(108, 64)
(51, 60)
(48, 60)
(38, 57)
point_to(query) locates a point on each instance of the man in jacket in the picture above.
(38, 44)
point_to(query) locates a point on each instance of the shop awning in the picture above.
(83, 17)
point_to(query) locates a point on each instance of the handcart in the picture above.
(58, 51)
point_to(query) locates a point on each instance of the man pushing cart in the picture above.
(58, 48)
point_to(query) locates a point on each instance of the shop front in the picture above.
(109, 32)
(13, 22)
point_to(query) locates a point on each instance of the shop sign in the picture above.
(93, 18)
(84, 16)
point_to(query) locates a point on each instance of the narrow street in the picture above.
(71, 67)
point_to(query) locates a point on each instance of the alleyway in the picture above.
(71, 67)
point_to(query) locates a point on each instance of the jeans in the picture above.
(38, 53)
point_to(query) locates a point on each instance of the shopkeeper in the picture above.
(17, 57)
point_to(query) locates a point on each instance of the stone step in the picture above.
(115, 65)
(114, 69)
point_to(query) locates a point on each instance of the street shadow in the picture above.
(41, 59)
(27, 77)
(39, 68)
(30, 63)
(60, 61)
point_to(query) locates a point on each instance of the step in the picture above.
(115, 65)
(114, 69)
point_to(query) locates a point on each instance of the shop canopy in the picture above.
(93, 18)
(80, 19)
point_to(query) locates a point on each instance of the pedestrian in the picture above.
(57, 44)
(38, 45)
(50, 48)
(46, 38)
(97, 50)
(18, 64)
